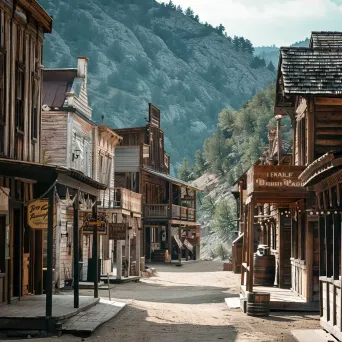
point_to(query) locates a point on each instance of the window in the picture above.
(19, 108)
(34, 113)
(274, 236)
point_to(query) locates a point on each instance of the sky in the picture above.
(268, 22)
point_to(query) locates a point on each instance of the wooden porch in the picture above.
(283, 299)
(163, 211)
(127, 201)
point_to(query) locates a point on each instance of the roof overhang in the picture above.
(170, 179)
(42, 173)
(38, 13)
(321, 168)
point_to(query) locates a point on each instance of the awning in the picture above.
(170, 179)
(46, 173)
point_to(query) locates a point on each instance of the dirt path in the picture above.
(186, 304)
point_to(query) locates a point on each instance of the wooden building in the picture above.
(273, 205)
(321, 103)
(22, 28)
(71, 139)
(169, 204)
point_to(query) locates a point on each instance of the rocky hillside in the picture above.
(140, 51)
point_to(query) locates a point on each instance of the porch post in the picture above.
(169, 241)
(137, 249)
(179, 249)
(328, 255)
(76, 252)
(336, 237)
(95, 252)
(321, 245)
(48, 309)
(251, 246)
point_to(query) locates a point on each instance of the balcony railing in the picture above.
(162, 211)
(127, 200)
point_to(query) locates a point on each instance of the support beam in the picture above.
(336, 239)
(251, 246)
(119, 259)
(95, 252)
(137, 251)
(328, 254)
(169, 243)
(76, 252)
(321, 246)
(48, 309)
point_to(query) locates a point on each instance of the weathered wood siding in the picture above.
(27, 41)
(127, 159)
(328, 124)
(82, 139)
(54, 138)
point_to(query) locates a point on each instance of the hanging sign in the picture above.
(117, 231)
(100, 222)
(37, 214)
(273, 177)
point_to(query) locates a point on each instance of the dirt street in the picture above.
(187, 304)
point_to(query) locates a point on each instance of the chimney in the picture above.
(82, 68)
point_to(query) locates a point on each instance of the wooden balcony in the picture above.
(127, 200)
(162, 211)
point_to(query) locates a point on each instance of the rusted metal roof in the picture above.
(311, 70)
(326, 40)
(56, 83)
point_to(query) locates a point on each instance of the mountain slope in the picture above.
(271, 53)
(140, 52)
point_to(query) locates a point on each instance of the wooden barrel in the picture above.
(264, 270)
(258, 304)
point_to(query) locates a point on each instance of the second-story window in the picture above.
(34, 119)
(19, 105)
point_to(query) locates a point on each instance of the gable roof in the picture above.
(56, 83)
(326, 40)
(311, 71)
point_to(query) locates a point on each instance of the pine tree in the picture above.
(220, 29)
(184, 170)
(199, 167)
(189, 12)
(270, 66)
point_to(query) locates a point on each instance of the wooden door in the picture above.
(26, 274)
(286, 259)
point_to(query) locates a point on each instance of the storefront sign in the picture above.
(272, 177)
(117, 231)
(37, 214)
(100, 222)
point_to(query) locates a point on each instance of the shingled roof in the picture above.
(326, 40)
(311, 70)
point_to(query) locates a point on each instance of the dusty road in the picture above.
(186, 304)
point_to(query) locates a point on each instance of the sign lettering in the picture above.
(90, 222)
(37, 214)
(273, 177)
